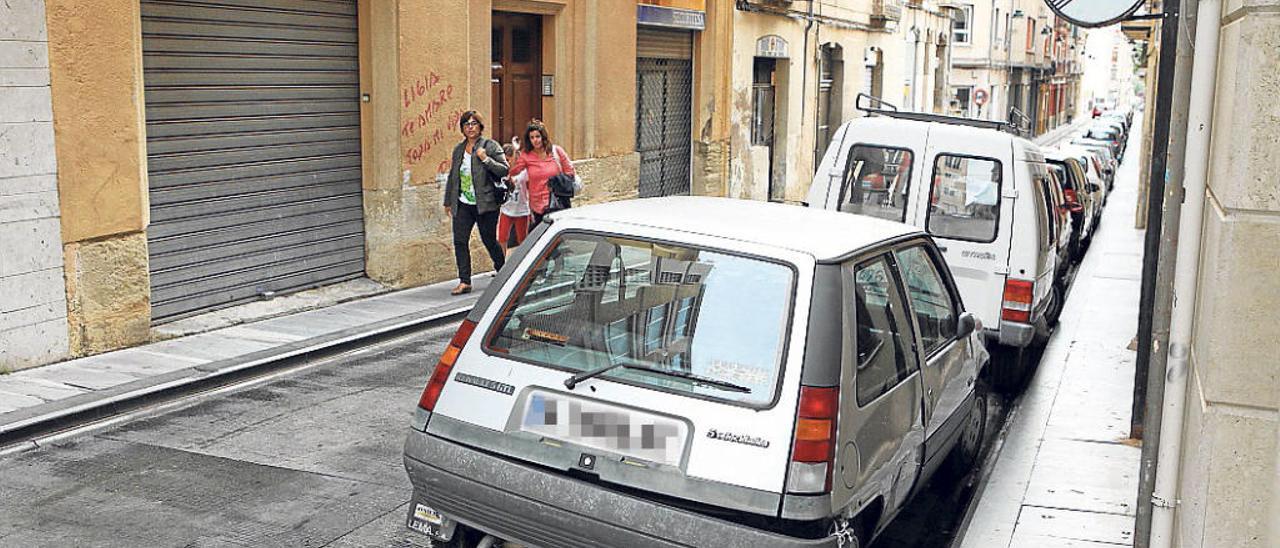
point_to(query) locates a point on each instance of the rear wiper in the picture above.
(698, 379)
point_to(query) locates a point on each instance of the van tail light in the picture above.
(1017, 300)
(441, 374)
(813, 449)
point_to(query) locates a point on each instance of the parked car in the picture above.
(1111, 132)
(1113, 147)
(975, 185)
(1082, 199)
(1107, 163)
(692, 371)
(1091, 162)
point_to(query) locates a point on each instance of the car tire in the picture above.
(964, 455)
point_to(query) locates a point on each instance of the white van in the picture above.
(693, 371)
(975, 186)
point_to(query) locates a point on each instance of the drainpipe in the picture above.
(1199, 130)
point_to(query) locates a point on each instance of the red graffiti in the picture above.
(424, 117)
(415, 153)
(419, 88)
(443, 166)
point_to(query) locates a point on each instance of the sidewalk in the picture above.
(1065, 473)
(98, 385)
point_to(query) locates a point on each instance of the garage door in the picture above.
(664, 92)
(253, 149)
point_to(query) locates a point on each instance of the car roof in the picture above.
(877, 124)
(824, 234)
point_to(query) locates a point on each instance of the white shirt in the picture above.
(517, 204)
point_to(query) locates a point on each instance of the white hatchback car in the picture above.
(699, 372)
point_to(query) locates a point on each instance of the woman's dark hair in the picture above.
(535, 125)
(468, 116)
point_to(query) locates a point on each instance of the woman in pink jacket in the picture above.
(542, 160)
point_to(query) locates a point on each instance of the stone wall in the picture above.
(1233, 408)
(33, 308)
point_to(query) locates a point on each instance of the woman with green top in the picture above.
(477, 164)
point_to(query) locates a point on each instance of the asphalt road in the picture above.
(310, 458)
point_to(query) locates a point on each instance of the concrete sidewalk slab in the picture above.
(32, 397)
(1065, 474)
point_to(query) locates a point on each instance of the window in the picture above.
(964, 98)
(881, 356)
(762, 102)
(876, 180)
(1031, 35)
(962, 26)
(995, 32)
(931, 301)
(964, 203)
(595, 300)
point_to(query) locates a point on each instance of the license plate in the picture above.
(426, 520)
(606, 427)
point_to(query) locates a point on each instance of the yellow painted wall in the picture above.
(95, 61)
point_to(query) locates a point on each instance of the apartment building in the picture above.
(1015, 54)
(797, 68)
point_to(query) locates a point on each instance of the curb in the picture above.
(25, 425)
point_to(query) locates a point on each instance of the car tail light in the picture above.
(1073, 202)
(441, 374)
(813, 449)
(1018, 295)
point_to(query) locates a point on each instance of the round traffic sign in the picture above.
(1094, 13)
(980, 97)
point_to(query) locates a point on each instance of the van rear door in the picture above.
(967, 204)
(680, 349)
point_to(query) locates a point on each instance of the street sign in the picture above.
(980, 97)
(1094, 13)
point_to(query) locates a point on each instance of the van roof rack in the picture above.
(1017, 123)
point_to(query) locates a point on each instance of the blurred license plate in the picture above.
(606, 427)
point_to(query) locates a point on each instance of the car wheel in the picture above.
(969, 447)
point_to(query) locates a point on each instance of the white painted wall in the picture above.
(33, 309)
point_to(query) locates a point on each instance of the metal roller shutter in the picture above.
(253, 149)
(664, 44)
(664, 93)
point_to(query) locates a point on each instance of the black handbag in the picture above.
(562, 189)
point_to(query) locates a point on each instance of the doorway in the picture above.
(516, 61)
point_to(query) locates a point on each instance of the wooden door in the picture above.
(517, 72)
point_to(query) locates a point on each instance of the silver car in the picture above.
(699, 372)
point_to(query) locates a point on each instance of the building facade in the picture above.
(798, 67)
(33, 309)
(173, 158)
(1229, 471)
(1016, 54)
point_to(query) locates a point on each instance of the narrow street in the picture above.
(311, 458)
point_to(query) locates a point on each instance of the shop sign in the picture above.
(676, 18)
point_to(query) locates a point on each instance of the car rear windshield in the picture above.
(671, 317)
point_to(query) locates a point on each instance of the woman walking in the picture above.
(469, 198)
(542, 160)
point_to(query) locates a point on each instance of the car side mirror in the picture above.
(966, 324)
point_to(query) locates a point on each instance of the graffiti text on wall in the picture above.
(428, 96)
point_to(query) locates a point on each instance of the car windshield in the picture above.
(593, 301)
